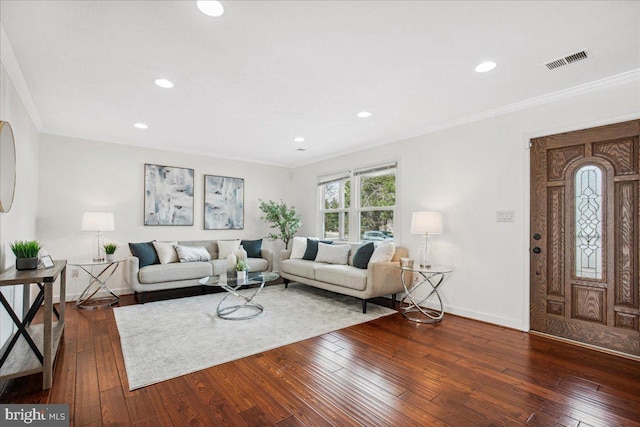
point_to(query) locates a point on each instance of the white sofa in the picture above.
(158, 277)
(379, 279)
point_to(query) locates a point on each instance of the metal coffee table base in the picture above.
(244, 311)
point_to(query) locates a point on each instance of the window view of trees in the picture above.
(375, 199)
(377, 192)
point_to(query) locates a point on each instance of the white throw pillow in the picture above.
(383, 253)
(192, 253)
(227, 247)
(298, 248)
(166, 252)
(333, 254)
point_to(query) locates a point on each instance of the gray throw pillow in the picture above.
(192, 253)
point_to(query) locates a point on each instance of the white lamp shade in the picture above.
(426, 222)
(97, 221)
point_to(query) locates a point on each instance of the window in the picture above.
(588, 217)
(371, 215)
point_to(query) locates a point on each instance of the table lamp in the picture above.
(98, 222)
(426, 223)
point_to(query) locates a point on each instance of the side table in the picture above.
(33, 348)
(97, 294)
(430, 307)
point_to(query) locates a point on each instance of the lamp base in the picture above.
(98, 247)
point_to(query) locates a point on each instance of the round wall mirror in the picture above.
(7, 167)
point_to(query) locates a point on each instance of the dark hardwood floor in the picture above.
(388, 372)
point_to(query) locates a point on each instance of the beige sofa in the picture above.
(158, 277)
(379, 279)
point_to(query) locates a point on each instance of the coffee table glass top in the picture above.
(229, 280)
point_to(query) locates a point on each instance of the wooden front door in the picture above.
(585, 222)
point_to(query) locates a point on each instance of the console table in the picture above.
(33, 348)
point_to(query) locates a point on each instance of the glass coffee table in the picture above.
(234, 305)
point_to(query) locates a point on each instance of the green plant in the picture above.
(283, 218)
(110, 248)
(241, 266)
(25, 249)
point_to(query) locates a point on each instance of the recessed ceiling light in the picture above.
(363, 114)
(164, 83)
(211, 8)
(298, 139)
(141, 126)
(485, 66)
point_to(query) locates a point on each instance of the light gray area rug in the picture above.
(167, 339)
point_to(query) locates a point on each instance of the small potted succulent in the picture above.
(110, 250)
(241, 269)
(26, 253)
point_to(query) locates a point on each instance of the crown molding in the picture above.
(10, 62)
(596, 85)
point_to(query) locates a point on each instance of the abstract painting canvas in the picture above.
(223, 203)
(168, 195)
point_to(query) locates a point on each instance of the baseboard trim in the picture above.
(485, 317)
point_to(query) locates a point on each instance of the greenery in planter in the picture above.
(241, 266)
(283, 218)
(25, 249)
(110, 248)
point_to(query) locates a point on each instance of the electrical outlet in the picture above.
(505, 216)
(74, 273)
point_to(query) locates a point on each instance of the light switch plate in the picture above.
(505, 216)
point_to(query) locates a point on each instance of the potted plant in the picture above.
(283, 218)
(110, 250)
(241, 269)
(26, 253)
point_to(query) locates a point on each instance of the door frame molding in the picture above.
(526, 190)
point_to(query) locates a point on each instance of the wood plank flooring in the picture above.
(388, 372)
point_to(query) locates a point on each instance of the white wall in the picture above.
(20, 222)
(470, 172)
(80, 175)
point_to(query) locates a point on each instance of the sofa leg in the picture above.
(286, 283)
(393, 301)
(364, 306)
(203, 289)
(143, 298)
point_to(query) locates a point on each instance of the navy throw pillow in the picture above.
(363, 255)
(312, 248)
(145, 252)
(253, 248)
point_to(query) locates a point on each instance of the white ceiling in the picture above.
(265, 72)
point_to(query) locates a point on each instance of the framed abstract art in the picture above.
(168, 195)
(223, 203)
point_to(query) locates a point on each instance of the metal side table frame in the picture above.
(430, 306)
(87, 299)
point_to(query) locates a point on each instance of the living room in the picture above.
(468, 164)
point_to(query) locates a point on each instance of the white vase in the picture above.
(231, 263)
(110, 257)
(242, 274)
(241, 254)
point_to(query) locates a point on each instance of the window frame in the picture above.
(352, 213)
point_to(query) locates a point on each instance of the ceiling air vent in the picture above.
(569, 59)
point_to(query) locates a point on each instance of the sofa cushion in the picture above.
(192, 253)
(253, 248)
(342, 275)
(172, 272)
(383, 252)
(312, 248)
(145, 252)
(333, 254)
(300, 267)
(227, 247)
(363, 255)
(219, 266)
(257, 264)
(166, 252)
(298, 247)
